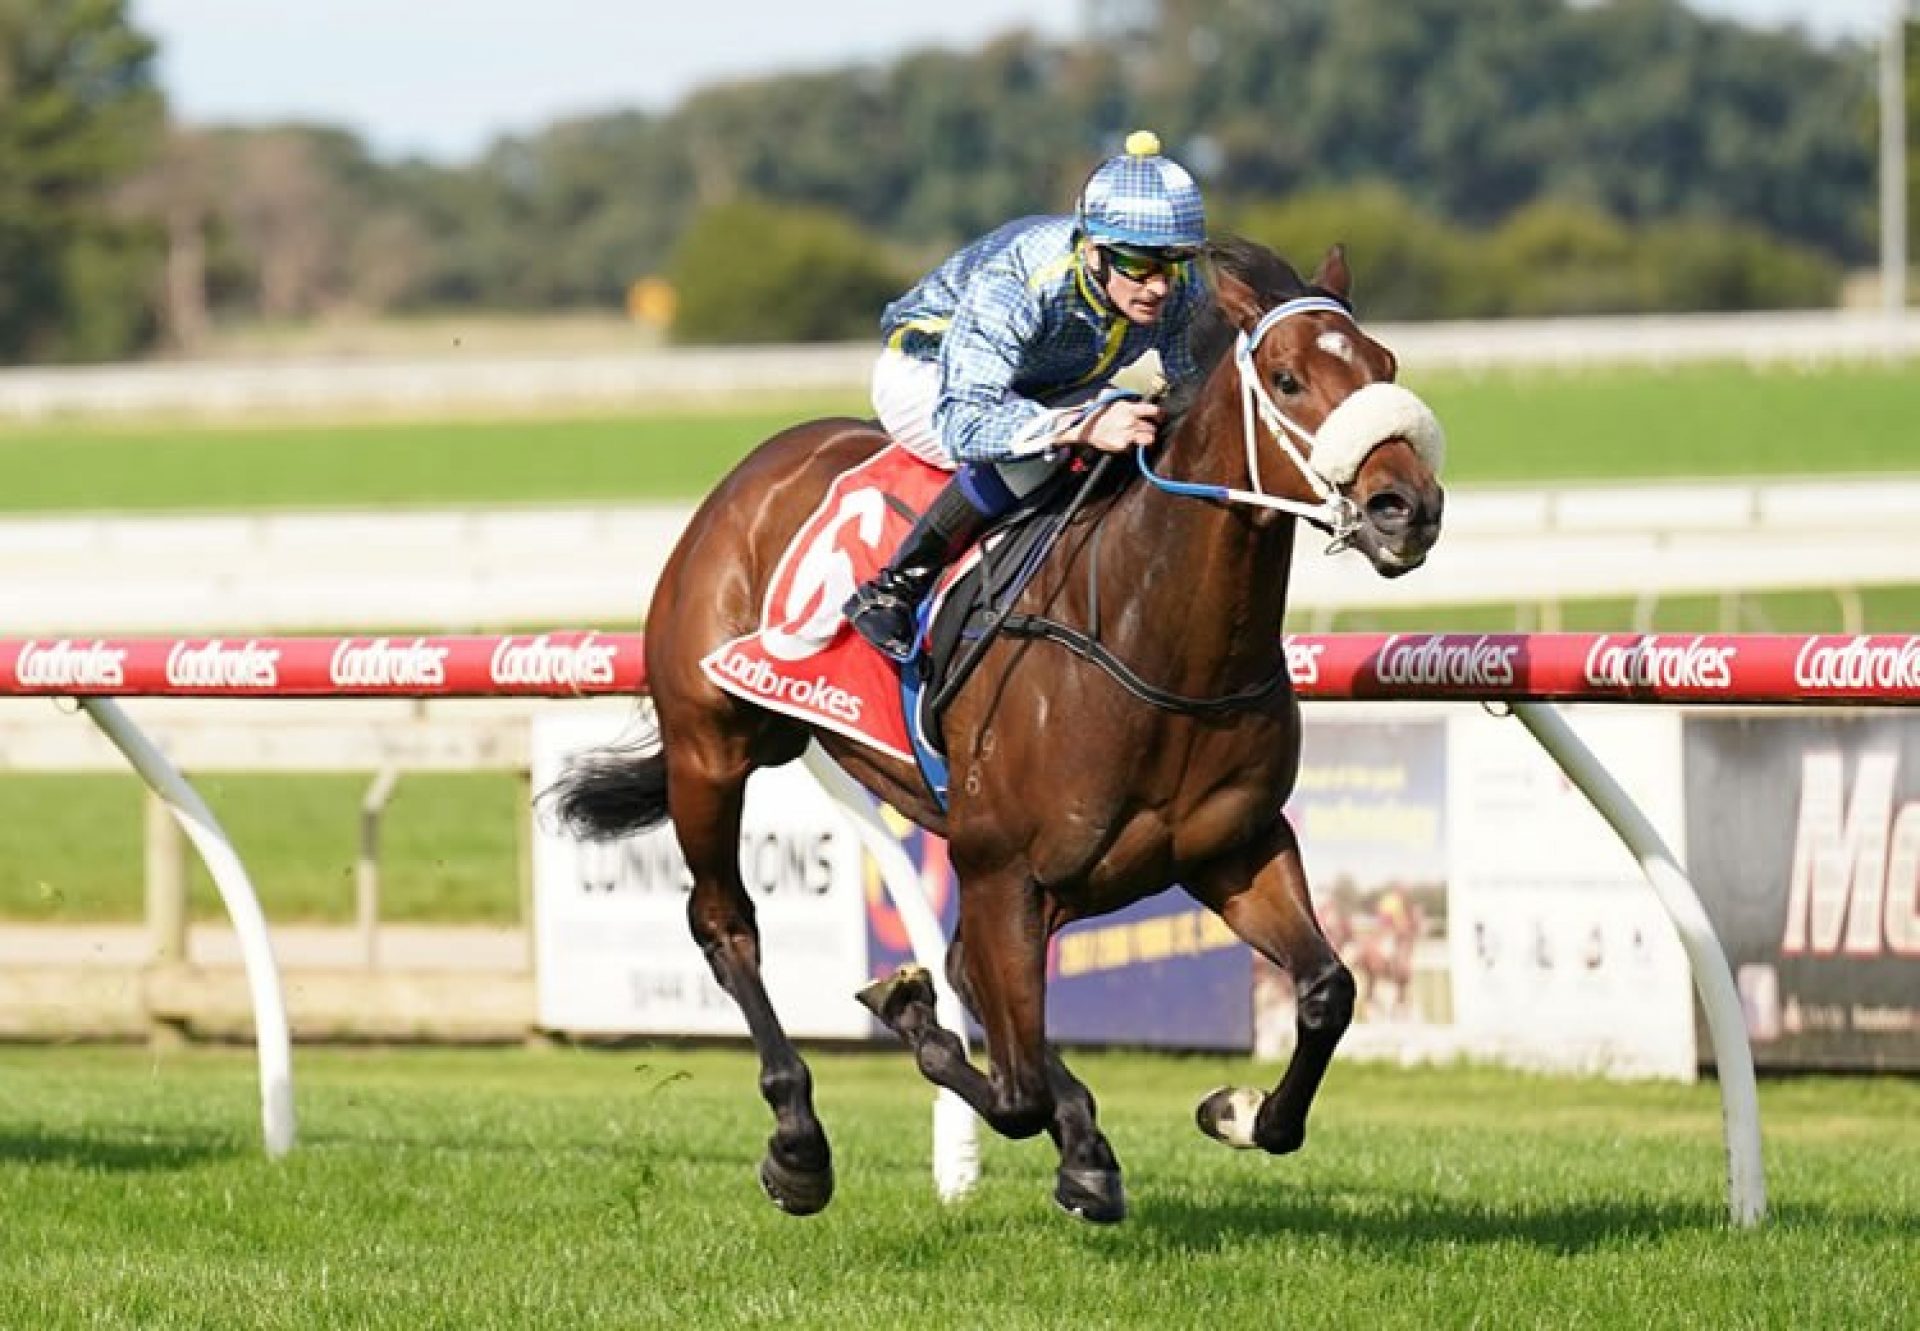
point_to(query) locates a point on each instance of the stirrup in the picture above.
(885, 620)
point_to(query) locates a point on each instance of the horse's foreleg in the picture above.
(1263, 898)
(705, 800)
(1005, 970)
(1088, 1183)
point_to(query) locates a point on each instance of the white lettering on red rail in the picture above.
(216, 665)
(1646, 662)
(541, 661)
(75, 665)
(1437, 658)
(378, 663)
(1303, 662)
(1860, 664)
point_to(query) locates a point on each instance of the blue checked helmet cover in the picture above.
(1142, 199)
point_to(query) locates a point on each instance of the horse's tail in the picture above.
(605, 794)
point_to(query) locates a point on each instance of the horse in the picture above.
(1150, 741)
(1383, 955)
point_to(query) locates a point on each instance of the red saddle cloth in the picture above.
(803, 660)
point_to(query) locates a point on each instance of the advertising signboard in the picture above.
(1370, 811)
(1562, 955)
(614, 956)
(1805, 837)
(1163, 972)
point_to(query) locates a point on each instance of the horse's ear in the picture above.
(1332, 273)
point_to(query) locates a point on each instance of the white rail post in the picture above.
(236, 890)
(956, 1143)
(366, 867)
(1732, 1056)
(166, 885)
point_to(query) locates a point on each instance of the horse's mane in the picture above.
(1268, 277)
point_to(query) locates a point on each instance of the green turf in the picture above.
(1632, 424)
(569, 1189)
(1505, 427)
(449, 849)
(523, 460)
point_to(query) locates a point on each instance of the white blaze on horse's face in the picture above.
(1336, 344)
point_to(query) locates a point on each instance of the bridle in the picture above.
(1351, 431)
(1364, 419)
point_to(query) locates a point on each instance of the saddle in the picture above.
(803, 659)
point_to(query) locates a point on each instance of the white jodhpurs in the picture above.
(904, 393)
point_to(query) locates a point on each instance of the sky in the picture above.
(443, 78)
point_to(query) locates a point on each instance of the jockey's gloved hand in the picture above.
(1122, 425)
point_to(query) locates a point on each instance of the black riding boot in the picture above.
(885, 609)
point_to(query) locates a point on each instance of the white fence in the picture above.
(498, 568)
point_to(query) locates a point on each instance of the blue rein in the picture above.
(1185, 489)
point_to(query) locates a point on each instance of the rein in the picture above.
(997, 619)
(1090, 649)
(1085, 645)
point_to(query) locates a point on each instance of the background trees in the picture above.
(1478, 156)
(79, 113)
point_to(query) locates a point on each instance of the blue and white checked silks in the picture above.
(1144, 200)
(1020, 331)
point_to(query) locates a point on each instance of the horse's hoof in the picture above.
(1094, 1195)
(796, 1191)
(887, 998)
(1228, 1115)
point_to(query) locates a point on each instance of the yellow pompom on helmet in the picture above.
(1142, 200)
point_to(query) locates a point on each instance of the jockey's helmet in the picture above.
(1142, 200)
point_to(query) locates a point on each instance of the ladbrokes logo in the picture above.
(378, 663)
(818, 694)
(1858, 664)
(71, 665)
(1646, 662)
(1435, 658)
(541, 661)
(216, 665)
(1303, 661)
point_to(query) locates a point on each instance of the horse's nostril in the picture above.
(1389, 511)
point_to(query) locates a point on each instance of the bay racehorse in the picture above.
(1150, 742)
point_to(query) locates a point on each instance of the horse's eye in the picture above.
(1285, 382)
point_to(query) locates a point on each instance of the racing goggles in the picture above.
(1137, 265)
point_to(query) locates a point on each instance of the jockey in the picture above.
(994, 362)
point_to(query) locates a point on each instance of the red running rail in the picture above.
(1514, 667)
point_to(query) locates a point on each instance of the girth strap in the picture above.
(1032, 626)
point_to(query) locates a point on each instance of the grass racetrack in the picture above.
(449, 852)
(563, 1188)
(1602, 425)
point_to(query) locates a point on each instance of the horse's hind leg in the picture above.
(1263, 898)
(706, 787)
(1088, 1182)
